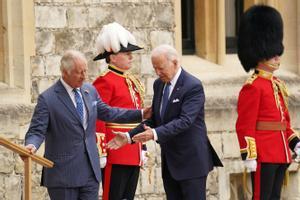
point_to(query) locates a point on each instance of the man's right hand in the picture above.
(118, 141)
(31, 148)
(250, 165)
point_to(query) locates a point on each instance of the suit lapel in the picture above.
(157, 100)
(176, 90)
(64, 97)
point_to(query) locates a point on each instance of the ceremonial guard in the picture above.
(118, 88)
(263, 125)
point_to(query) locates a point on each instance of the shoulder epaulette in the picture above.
(251, 79)
(104, 72)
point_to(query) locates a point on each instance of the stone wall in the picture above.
(74, 24)
(14, 121)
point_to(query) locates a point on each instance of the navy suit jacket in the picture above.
(71, 147)
(181, 132)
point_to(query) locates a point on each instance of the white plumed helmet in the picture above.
(114, 38)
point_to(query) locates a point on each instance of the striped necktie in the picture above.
(165, 99)
(79, 103)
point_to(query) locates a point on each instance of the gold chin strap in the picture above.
(271, 64)
(278, 86)
(264, 74)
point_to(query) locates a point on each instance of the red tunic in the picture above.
(264, 99)
(118, 90)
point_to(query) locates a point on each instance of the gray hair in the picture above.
(67, 60)
(167, 50)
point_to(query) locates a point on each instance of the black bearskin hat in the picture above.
(260, 36)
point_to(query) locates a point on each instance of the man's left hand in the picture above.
(144, 136)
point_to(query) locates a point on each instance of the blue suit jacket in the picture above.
(181, 131)
(72, 148)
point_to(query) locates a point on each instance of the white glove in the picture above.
(250, 165)
(297, 149)
(144, 156)
(103, 161)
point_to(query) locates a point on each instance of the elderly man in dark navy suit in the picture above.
(65, 117)
(178, 125)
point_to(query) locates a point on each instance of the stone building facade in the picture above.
(35, 33)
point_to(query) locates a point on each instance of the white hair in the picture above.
(67, 60)
(167, 50)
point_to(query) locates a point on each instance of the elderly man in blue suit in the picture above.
(178, 125)
(65, 117)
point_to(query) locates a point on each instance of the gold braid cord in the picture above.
(283, 90)
(245, 186)
(135, 87)
(281, 87)
(275, 90)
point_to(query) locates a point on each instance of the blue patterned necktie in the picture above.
(165, 99)
(79, 103)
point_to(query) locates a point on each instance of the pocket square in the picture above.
(95, 103)
(175, 100)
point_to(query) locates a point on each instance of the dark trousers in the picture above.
(267, 181)
(87, 192)
(190, 189)
(123, 182)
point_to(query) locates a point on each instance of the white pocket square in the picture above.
(175, 100)
(94, 103)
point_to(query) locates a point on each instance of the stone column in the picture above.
(221, 50)
(178, 37)
(206, 29)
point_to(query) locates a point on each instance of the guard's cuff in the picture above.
(293, 139)
(101, 144)
(249, 153)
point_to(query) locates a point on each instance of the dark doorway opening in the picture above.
(188, 29)
(233, 12)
